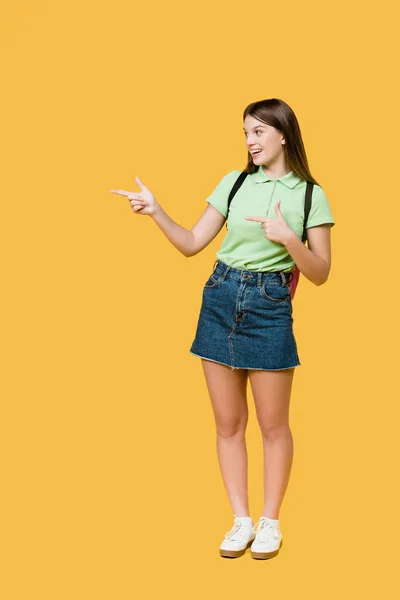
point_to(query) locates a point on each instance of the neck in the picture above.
(275, 171)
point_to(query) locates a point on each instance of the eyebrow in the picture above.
(256, 127)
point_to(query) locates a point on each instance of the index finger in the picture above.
(121, 192)
(259, 219)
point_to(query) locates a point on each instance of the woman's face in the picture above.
(260, 136)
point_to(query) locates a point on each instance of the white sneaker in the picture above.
(268, 539)
(238, 539)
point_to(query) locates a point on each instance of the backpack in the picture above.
(307, 206)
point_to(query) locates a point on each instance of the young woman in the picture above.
(245, 326)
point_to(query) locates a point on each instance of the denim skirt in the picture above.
(246, 321)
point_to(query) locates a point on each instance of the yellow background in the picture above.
(109, 475)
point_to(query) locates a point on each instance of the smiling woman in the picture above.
(245, 326)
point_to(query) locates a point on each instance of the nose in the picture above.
(249, 142)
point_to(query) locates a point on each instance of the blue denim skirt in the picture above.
(246, 321)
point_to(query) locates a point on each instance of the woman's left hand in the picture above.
(276, 230)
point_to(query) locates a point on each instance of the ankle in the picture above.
(271, 520)
(271, 514)
(246, 520)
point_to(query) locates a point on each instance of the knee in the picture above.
(272, 433)
(229, 428)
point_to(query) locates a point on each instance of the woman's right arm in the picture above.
(202, 233)
(188, 242)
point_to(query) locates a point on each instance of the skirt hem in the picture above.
(249, 368)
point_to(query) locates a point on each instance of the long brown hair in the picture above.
(278, 114)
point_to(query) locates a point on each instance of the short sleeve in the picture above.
(320, 212)
(219, 197)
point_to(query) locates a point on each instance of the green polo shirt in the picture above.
(244, 245)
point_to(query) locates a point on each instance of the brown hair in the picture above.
(278, 114)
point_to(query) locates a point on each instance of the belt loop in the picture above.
(225, 273)
(283, 278)
(259, 279)
(215, 265)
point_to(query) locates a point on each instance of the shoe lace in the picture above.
(265, 531)
(236, 530)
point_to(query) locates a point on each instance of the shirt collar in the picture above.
(290, 179)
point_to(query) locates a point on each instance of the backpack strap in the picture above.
(307, 207)
(235, 188)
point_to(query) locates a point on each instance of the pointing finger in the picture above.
(121, 192)
(258, 219)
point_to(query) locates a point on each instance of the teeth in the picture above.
(256, 151)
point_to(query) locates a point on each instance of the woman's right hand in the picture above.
(142, 203)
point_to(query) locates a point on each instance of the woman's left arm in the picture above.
(313, 262)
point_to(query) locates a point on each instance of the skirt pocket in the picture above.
(212, 281)
(275, 292)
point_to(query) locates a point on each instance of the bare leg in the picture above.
(227, 389)
(271, 391)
